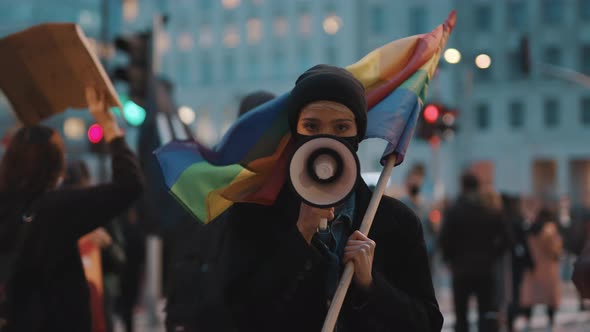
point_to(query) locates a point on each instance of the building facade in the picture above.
(528, 129)
(533, 127)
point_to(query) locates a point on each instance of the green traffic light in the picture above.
(115, 109)
(134, 114)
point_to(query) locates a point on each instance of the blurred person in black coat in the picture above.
(49, 290)
(473, 238)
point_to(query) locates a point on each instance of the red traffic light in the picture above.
(431, 113)
(95, 133)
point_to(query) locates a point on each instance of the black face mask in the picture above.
(414, 190)
(353, 140)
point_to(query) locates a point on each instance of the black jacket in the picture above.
(50, 291)
(276, 281)
(473, 237)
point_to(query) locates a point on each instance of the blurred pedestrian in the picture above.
(541, 285)
(520, 257)
(132, 271)
(102, 255)
(194, 302)
(472, 240)
(581, 275)
(415, 201)
(493, 201)
(49, 291)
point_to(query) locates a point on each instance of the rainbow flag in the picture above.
(250, 162)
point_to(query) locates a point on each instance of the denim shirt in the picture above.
(333, 241)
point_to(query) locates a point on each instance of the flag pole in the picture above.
(346, 278)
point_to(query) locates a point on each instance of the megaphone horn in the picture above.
(323, 171)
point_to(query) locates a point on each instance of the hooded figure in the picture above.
(281, 273)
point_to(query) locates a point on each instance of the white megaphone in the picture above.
(323, 171)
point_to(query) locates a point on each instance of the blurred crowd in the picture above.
(508, 251)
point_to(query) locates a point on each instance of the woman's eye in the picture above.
(309, 126)
(341, 128)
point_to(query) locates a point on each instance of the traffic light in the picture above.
(448, 124)
(137, 73)
(96, 140)
(436, 122)
(426, 127)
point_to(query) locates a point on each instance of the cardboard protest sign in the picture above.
(45, 69)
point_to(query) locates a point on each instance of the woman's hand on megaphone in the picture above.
(310, 218)
(360, 250)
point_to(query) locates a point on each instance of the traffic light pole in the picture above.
(439, 188)
(154, 243)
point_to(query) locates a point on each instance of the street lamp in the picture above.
(452, 56)
(74, 128)
(483, 61)
(186, 115)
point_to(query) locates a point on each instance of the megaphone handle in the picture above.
(323, 224)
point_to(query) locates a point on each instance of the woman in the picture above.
(49, 291)
(282, 273)
(541, 284)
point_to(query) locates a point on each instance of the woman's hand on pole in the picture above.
(360, 250)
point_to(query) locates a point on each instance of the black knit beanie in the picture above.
(325, 82)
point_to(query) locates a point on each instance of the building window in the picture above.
(377, 20)
(206, 4)
(229, 68)
(305, 25)
(551, 113)
(331, 55)
(205, 37)
(279, 61)
(206, 70)
(231, 36)
(254, 68)
(304, 58)
(280, 26)
(516, 14)
(183, 68)
(585, 111)
(552, 55)
(584, 9)
(230, 4)
(254, 28)
(552, 12)
(516, 114)
(585, 59)
(482, 116)
(483, 17)
(418, 20)
(185, 42)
